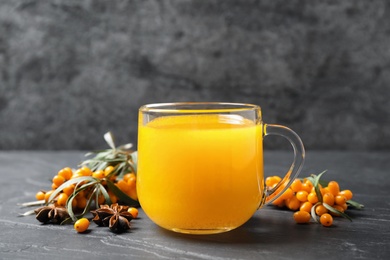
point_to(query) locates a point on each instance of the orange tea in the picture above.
(200, 172)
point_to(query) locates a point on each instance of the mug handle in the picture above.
(296, 166)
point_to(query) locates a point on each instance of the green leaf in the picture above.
(355, 204)
(110, 140)
(331, 209)
(121, 195)
(313, 212)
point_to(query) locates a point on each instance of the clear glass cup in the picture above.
(200, 164)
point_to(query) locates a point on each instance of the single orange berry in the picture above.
(68, 190)
(312, 198)
(340, 200)
(133, 211)
(66, 173)
(288, 193)
(344, 206)
(307, 186)
(328, 198)
(334, 187)
(272, 180)
(280, 202)
(98, 174)
(123, 186)
(321, 210)
(306, 206)
(81, 225)
(347, 194)
(62, 198)
(40, 195)
(113, 197)
(293, 203)
(58, 180)
(301, 217)
(48, 194)
(326, 220)
(81, 202)
(296, 185)
(108, 170)
(302, 195)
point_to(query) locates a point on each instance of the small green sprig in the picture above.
(317, 183)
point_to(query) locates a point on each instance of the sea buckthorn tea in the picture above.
(200, 165)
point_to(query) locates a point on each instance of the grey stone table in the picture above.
(270, 234)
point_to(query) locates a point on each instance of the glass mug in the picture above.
(200, 164)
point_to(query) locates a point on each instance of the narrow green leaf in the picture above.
(330, 208)
(110, 140)
(355, 204)
(313, 212)
(70, 208)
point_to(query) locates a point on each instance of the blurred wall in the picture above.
(72, 70)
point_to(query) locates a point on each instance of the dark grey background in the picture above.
(72, 70)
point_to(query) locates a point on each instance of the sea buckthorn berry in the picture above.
(301, 217)
(132, 193)
(123, 186)
(74, 203)
(307, 186)
(108, 170)
(66, 173)
(98, 174)
(133, 211)
(296, 185)
(68, 190)
(101, 199)
(58, 180)
(81, 202)
(347, 194)
(81, 225)
(61, 200)
(302, 195)
(340, 200)
(324, 191)
(328, 198)
(288, 193)
(84, 171)
(344, 206)
(320, 210)
(293, 203)
(334, 188)
(113, 198)
(128, 176)
(40, 195)
(272, 180)
(312, 198)
(280, 202)
(326, 220)
(306, 206)
(48, 194)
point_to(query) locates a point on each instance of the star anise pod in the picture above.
(115, 217)
(51, 214)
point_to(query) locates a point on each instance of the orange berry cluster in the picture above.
(127, 184)
(303, 198)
